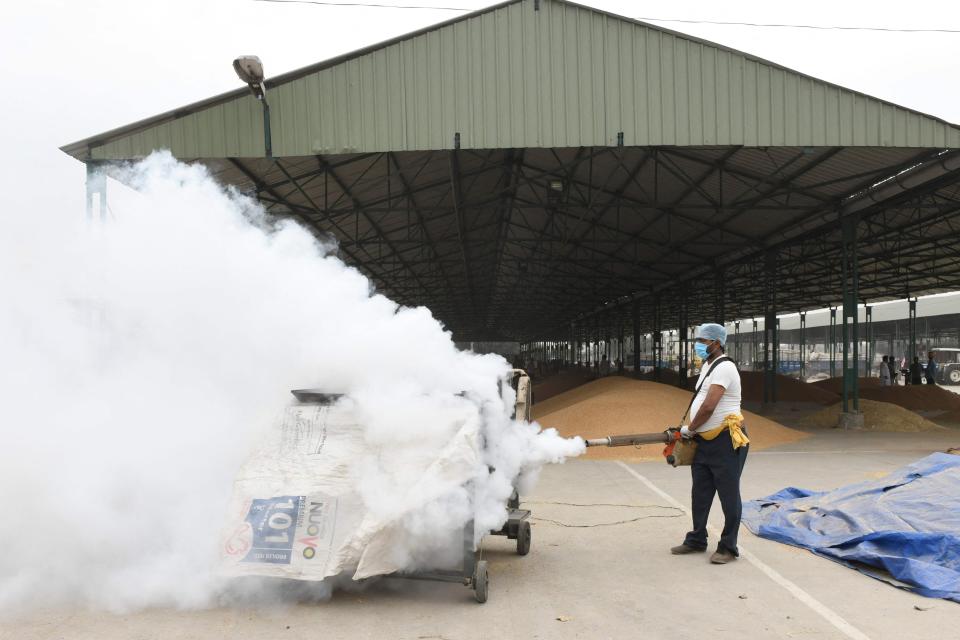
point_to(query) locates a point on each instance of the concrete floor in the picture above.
(615, 581)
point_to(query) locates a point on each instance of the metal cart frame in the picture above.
(473, 573)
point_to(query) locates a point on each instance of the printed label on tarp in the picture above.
(273, 523)
(285, 530)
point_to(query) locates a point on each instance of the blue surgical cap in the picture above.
(712, 331)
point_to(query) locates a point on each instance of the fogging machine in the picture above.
(678, 450)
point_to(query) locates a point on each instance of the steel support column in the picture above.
(596, 344)
(608, 340)
(683, 339)
(645, 348)
(572, 351)
(754, 347)
(636, 338)
(736, 340)
(803, 345)
(776, 352)
(833, 342)
(582, 345)
(771, 337)
(96, 191)
(657, 338)
(580, 357)
(851, 290)
(871, 347)
(720, 291)
(621, 353)
(912, 322)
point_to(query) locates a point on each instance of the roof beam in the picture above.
(346, 191)
(409, 194)
(359, 264)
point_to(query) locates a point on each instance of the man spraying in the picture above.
(717, 427)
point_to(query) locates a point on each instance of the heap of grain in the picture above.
(877, 416)
(617, 405)
(948, 419)
(925, 397)
(788, 389)
(558, 383)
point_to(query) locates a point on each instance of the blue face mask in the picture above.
(701, 350)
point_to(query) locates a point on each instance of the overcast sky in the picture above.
(73, 69)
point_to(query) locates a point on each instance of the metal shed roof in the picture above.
(714, 141)
(512, 75)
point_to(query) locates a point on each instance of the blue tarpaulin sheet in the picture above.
(904, 526)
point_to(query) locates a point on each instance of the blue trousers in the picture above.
(716, 470)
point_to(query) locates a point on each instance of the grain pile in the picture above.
(915, 397)
(550, 386)
(619, 405)
(948, 419)
(788, 389)
(672, 378)
(923, 397)
(877, 416)
(835, 385)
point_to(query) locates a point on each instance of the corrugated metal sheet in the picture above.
(512, 76)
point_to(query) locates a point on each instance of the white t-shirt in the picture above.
(727, 376)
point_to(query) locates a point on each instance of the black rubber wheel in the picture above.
(523, 538)
(481, 582)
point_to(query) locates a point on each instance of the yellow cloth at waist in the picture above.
(732, 423)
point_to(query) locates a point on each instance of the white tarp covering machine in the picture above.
(296, 512)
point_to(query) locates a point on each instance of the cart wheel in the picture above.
(523, 538)
(480, 582)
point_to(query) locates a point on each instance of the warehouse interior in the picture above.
(611, 195)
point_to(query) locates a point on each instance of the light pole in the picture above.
(250, 70)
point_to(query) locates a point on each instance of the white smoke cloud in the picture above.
(143, 358)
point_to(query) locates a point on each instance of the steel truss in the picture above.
(571, 245)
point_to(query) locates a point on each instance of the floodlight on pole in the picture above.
(250, 70)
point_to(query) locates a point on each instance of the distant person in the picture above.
(886, 371)
(931, 369)
(892, 365)
(916, 371)
(722, 445)
(605, 366)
